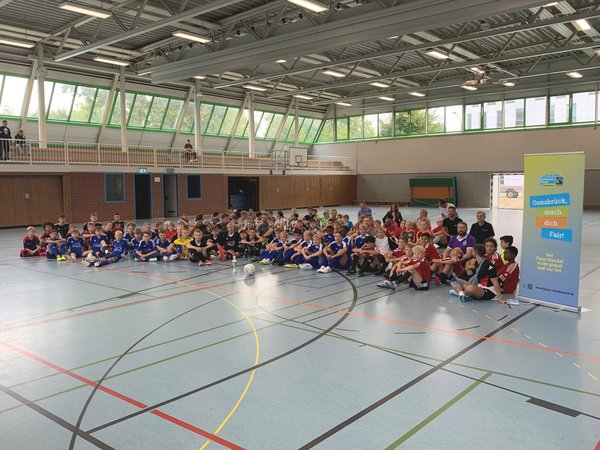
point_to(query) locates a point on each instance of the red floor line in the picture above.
(123, 397)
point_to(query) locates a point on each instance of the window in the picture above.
(314, 129)
(492, 115)
(342, 129)
(99, 107)
(275, 125)
(216, 119)
(228, 121)
(170, 121)
(418, 119)
(62, 101)
(243, 123)
(453, 122)
(327, 131)
(370, 126)
(402, 123)
(535, 111)
(194, 187)
(386, 125)
(287, 132)
(141, 108)
(472, 117)
(435, 120)
(263, 126)
(303, 130)
(514, 113)
(559, 109)
(116, 113)
(188, 119)
(157, 112)
(13, 92)
(114, 187)
(584, 104)
(356, 127)
(33, 104)
(206, 110)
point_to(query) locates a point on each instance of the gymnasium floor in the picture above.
(191, 357)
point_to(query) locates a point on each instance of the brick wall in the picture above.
(214, 195)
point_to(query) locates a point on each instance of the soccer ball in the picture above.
(249, 270)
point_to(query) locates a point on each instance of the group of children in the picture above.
(404, 252)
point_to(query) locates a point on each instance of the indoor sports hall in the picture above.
(295, 224)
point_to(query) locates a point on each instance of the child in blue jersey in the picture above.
(312, 254)
(328, 236)
(146, 250)
(120, 248)
(297, 257)
(148, 228)
(137, 238)
(364, 257)
(273, 249)
(99, 242)
(285, 256)
(164, 247)
(359, 240)
(76, 246)
(335, 255)
(129, 234)
(55, 246)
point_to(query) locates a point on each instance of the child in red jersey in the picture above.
(31, 244)
(491, 253)
(508, 274)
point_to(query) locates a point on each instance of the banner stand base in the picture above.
(575, 309)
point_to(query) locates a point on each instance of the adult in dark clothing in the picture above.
(4, 141)
(393, 214)
(451, 222)
(481, 230)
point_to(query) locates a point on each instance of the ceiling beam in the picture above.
(169, 21)
(399, 50)
(364, 26)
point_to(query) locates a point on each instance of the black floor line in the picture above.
(54, 418)
(467, 328)
(345, 315)
(554, 407)
(409, 384)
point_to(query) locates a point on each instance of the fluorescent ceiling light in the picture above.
(303, 97)
(15, 43)
(190, 36)
(581, 25)
(548, 5)
(508, 84)
(309, 4)
(333, 73)
(417, 94)
(200, 77)
(281, 61)
(116, 62)
(597, 50)
(379, 85)
(476, 69)
(254, 88)
(343, 104)
(388, 99)
(437, 54)
(574, 75)
(468, 87)
(84, 9)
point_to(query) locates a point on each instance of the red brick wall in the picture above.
(86, 194)
(214, 195)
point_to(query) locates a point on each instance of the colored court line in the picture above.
(122, 397)
(436, 414)
(54, 418)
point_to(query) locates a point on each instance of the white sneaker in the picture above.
(326, 270)
(305, 266)
(153, 260)
(173, 257)
(321, 269)
(165, 258)
(97, 264)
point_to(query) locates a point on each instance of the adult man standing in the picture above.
(451, 222)
(462, 240)
(481, 230)
(364, 210)
(4, 141)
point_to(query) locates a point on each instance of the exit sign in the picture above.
(143, 170)
(170, 170)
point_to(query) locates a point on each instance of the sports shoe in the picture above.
(464, 298)
(173, 257)
(453, 292)
(87, 263)
(265, 262)
(291, 266)
(385, 284)
(208, 262)
(165, 258)
(73, 258)
(153, 260)
(97, 264)
(351, 271)
(223, 257)
(436, 280)
(305, 266)
(325, 270)
(321, 269)
(200, 263)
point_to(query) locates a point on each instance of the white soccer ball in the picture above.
(249, 270)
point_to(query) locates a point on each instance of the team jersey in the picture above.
(431, 252)
(171, 234)
(509, 277)
(31, 243)
(391, 230)
(496, 260)
(135, 243)
(146, 247)
(383, 245)
(336, 247)
(328, 238)
(485, 273)
(162, 244)
(180, 244)
(410, 235)
(457, 267)
(121, 246)
(229, 241)
(313, 248)
(423, 268)
(398, 253)
(359, 241)
(128, 237)
(277, 242)
(76, 245)
(347, 241)
(95, 242)
(63, 229)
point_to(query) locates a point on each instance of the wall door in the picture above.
(170, 196)
(30, 199)
(507, 190)
(243, 193)
(143, 196)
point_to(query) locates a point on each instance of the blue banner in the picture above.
(552, 217)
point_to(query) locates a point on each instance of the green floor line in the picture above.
(436, 414)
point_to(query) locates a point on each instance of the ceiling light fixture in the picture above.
(343, 104)
(303, 97)
(84, 9)
(387, 99)
(281, 61)
(417, 94)
(437, 54)
(116, 62)
(582, 25)
(200, 77)
(379, 85)
(508, 84)
(252, 87)
(16, 43)
(548, 5)
(574, 75)
(310, 5)
(477, 70)
(190, 36)
(468, 87)
(333, 73)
